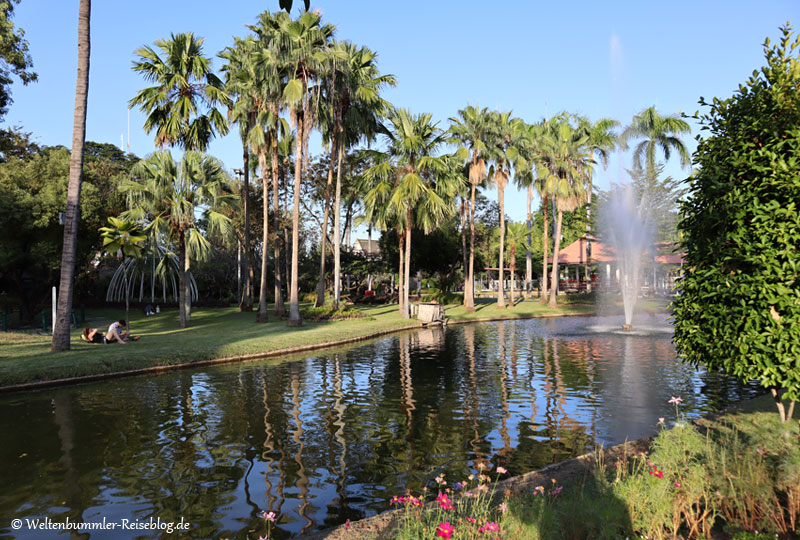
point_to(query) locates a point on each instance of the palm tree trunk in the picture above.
(182, 277)
(501, 299)
(246, 303)
(287, 248)
(528, 259)
(327, 203)
(401, 273)
(127, 302)
(294, 298)
(554, 275)
(588, 230)
(512, 256)
(64, 309)
(469, 288)
(188, 293)
(262, 315)
(407, 278)
(337, 240)
(280, 310)
(464, 252)
(545, 245)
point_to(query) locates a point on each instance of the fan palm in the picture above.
(504, 151)
(123, 239)
(172, 198)
(471, 128)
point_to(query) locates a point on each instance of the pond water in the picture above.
(330, 437)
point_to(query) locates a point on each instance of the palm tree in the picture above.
(658, 132)
(357, 109)
(410, 185)
(301, 45)
(64, 308)
(503, 150)
(600, 141)
(182, 106)
(565, 166)
(123, 239)
(172, 198)
(471, 128)
(240, 72)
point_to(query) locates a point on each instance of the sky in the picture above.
(535, 58)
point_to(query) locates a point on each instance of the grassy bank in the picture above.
(213, 334)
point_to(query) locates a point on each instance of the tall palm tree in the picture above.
(64, 307)
(410, 184)
(172, 198)
(302, 46)
(658, 132)
(504, 151)
(240, 72)
(357, 110)
(565, 166)
(600, 141)
(472, 129)
(182, 105)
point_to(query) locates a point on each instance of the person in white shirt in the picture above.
(117, 332)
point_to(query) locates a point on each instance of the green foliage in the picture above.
(32, 193)
(14, 56)
(739, 304)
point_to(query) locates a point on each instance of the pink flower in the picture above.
(269, 516)
(490, 526)
(678, 484)
(445, 530)
(471, 520)
(675, 400)
(660, 419)
(501, 470)
(658, 474)
(503, 507)
(760, 452)
(557, 490)
(444, 502)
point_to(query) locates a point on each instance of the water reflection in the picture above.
(331, 437)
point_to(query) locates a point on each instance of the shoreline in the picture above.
(412, 325)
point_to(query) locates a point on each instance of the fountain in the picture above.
(629, 231)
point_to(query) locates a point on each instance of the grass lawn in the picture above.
(213, 333)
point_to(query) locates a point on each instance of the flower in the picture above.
(660, 419)
(471, 520)
(503, 507)
(760, 452)
(557, 490)
(658, 474)
(490, 526)
(440, 480)
(269, 516)
(501, 470)
(675, 400)
(444, 502)
(445, 530)
(459, 485)
(678, 484)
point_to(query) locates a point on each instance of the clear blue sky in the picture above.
(536, 58)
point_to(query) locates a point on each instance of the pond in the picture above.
(333, 436)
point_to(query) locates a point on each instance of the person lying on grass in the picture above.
(114, 335)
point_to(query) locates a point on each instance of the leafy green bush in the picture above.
(739, 303)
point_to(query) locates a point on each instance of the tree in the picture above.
(565, 167)
(64, 309)
(739, 304)
(658, 132)
(471, 128)
(171, 198)
(14, 56)
(182, 106)
(410, 185)
(503, 150)
(123, 239)
(356, 108)
(302, 46)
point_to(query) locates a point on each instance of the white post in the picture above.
(55, 297)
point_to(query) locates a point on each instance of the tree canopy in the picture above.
(739, 304)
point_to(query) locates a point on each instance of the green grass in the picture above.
(212, 333)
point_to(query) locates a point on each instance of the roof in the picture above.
(575, 253)
(368, 247)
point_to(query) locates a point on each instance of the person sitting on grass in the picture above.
(92, 335)
(116, 332)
